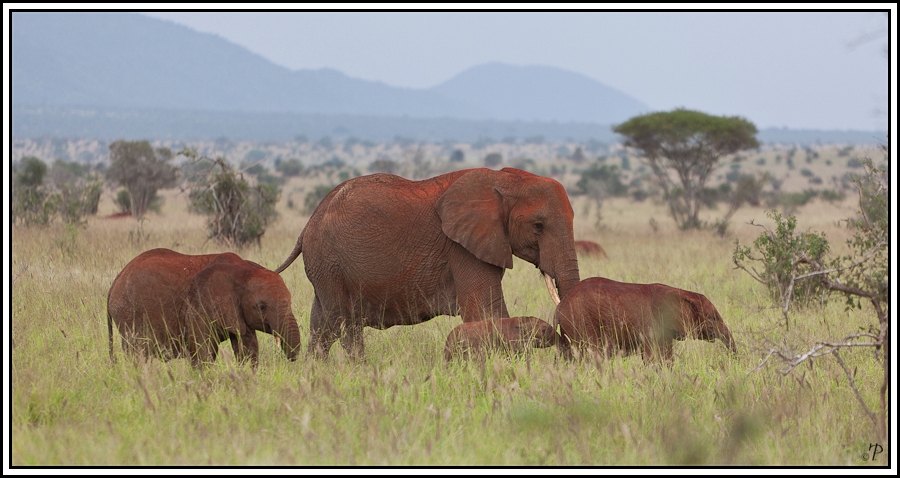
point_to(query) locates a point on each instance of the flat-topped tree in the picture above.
(691, 144)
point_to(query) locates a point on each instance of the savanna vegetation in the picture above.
(404, 405)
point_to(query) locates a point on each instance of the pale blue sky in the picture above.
(794, 69)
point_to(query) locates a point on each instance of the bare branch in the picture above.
(853, 386)
(820, 349)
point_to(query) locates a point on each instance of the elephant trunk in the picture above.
(565, 271)
(725, 336)
(287, 334)
(563, 268)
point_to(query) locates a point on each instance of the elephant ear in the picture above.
(472, 214)
(213, 297)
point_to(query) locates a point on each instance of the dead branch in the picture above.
(853, 386)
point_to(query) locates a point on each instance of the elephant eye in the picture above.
(539, 227)
(262, 306)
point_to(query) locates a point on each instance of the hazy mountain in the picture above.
(540, 93)
(130, 60)
(126, 75)
(124, 60)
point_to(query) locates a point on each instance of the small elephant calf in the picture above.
(514, 334)
(605, 315)
(172, 305)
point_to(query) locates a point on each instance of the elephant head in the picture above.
(535, 332)
(498, 214)
(513, 334)
(703, 320)
(238, 298)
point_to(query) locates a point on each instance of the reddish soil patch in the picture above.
(118, 215)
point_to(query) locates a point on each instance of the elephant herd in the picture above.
(380, 251)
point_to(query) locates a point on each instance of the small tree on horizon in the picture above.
(691, 144)
(141, 170)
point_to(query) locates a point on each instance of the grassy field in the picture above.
(404, 405)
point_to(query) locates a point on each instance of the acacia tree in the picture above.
(141, 170)
(691, 144)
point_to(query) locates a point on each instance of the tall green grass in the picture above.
(404, 405)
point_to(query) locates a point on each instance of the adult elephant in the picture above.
(381, 250)
(175, 305)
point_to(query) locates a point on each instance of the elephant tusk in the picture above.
(553, 294)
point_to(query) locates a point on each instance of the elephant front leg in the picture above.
(245, 347)
(478, 291)
(204, 353)
(655, 351)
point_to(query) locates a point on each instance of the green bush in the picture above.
(493, 160)
(831, 195)
(779, 254)
(71, 193)
(384, 166)
(290, 167)
(605, 181)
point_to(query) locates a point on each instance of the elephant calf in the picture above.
(514, 334)
(174, 305)
(609, 316)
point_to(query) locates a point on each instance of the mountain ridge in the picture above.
(126, 60)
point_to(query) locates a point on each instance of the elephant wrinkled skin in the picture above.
(174, 305)
(605, 315)
(514, 335)
(381, 250)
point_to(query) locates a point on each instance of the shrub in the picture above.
(493, 160)
(384, 166)
(71, 193)
(854, 163)
(290, 167)
(237, 212)
(779, 252)
(831, 195)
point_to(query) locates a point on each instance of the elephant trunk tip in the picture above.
(729, 342)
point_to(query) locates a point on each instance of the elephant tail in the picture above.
(298, 248)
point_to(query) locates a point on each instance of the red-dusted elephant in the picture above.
(381, 250)
(513, 335)
(174, 305)
(590, 249)
(608, 316)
